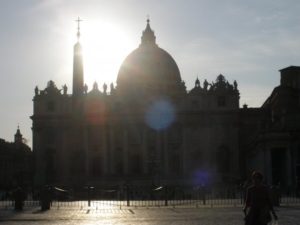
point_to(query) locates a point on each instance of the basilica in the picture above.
(149, 129)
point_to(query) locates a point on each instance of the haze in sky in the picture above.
(247, 41)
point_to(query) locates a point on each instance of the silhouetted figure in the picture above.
(112, 88)
(19, 197)
(65, 89)
(85, 89)
(36, 90)
(105, 88)
(205, 85)
(235, 85)
(95, 86)
(259, 202)
(46, 198)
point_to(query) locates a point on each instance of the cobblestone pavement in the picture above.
(141, 216)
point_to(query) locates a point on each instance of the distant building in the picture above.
(148, 129)
(271, 134)
(16, 163)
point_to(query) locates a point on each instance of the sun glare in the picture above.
(105, 45)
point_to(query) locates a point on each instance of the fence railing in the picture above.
(138, 196)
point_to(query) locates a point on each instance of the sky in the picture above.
(246, 41)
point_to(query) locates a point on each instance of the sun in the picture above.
(105, 45)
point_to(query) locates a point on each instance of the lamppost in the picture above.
(89, 193)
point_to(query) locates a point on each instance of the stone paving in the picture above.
(141, 216)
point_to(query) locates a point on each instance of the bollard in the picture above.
(166, 196)
(204, 199)
(89, 196)
(203, 192)
(275, 195)
(127, 195)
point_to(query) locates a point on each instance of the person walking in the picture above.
(19, 197)
(258, 203)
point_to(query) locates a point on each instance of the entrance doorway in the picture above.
(278, 160)
(298, 169)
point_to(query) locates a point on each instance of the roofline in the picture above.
(290, 67)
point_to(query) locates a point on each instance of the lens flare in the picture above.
(160, 115)
(202, 178)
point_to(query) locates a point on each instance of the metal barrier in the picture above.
(291, 198)
(144, 196)
(9, 203)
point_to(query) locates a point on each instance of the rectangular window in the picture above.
(134, 135)
(96, 166)
(51, 106)
(221, 101)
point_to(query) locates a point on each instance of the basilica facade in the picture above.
(148, 129)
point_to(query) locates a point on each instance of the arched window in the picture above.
(135, 164)
(196, 159)
(221, 101)
(223, 160)
(134, 135)
(175, 134)
(50, 167)
(96, 166)
(119, 166)
(175, 160)
(50, 106)
(175, 163)
(77, 163)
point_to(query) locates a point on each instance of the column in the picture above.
(125, 150)
(111, 149)
(184, 150)
(165, 163)
(104, 152)
(289, 165)
(86, 149)
(267, 165)
(157, 158)
(144, 151)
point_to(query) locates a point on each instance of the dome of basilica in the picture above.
(148, 66)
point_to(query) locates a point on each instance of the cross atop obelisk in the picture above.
(78, 27)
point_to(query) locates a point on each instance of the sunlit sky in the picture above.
(247, 41)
